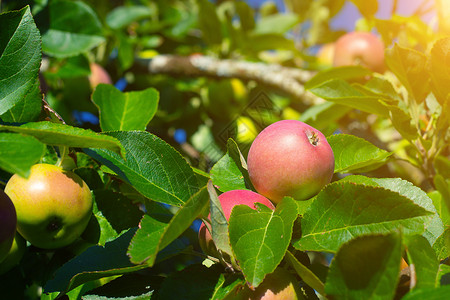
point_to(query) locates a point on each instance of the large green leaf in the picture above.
(64, 135)
(354, 154)
(434, 227)
(73, 28)
(410, 67)
(18, 153)
(344, 210)
(259, 238)
(209, 22)
(423, 257)
(438, 293)
(345, 72)
(366, 267)
(342, 92)
(152, 166)
(322, 115)
(20, 58)
(439, 69)
(155, 233)
(125, 111)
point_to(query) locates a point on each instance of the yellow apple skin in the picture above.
(15, 254)
(53, 206)
(8, 223)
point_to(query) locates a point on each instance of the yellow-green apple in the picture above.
(360, 48)
(290, 158)
(53, 205)
(98, 75)
(325, 55)
(228, 200)
(279, 285)
(15, 254)
(8, 223)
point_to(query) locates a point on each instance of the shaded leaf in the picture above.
(277, 23)
(124, 15)
(156, 232)
(66, 35)
(366, 267)
(439, 69)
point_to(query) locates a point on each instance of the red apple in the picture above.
(53, 205)
(8, 223)
(360, 48)
(228, 200)
(98, 75)
(290, 158)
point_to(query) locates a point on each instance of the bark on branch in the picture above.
(289, 80)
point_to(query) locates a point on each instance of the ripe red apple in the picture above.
(228, 200)
(98, 75)
(53, 206)
(290, 158)
(360, 48)
(8, 223)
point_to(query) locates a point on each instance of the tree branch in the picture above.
(289, 80)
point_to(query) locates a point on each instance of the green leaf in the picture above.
(268, 41)
(226, 174)
(439, 65)
(27, 109)
(259, 239)
(344, 210)
(441, 246)
(345, 73)
(124, 15)
(410, 67)
(209, 22)
(367, 8)
(323, 115)
(156, 233)
(18, 153)
(341, 92)
(20, 58)
(125, 111)
(219, 223)
(439, 293)
(423, 257)
(94, 263)
(443, 277)
(354, 154)
(306, 274)
(278, 23)
(55, 134)
(152, 166)
(434, 227)
(366, 267)
(66, 35)
(192, 283)
(402, 122)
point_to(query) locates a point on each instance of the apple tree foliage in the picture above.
(156, 149)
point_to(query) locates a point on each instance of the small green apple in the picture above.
(15, 254)
(53, 205)
(8, 223)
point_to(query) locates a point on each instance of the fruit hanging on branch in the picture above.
(53, 205)
(290, 158)
(228, 200)
(360, 48)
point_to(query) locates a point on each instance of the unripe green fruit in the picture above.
(359, 48)
(15, 254)
(8, 222)
(290, 158)
(53, 206)
(228, 200)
